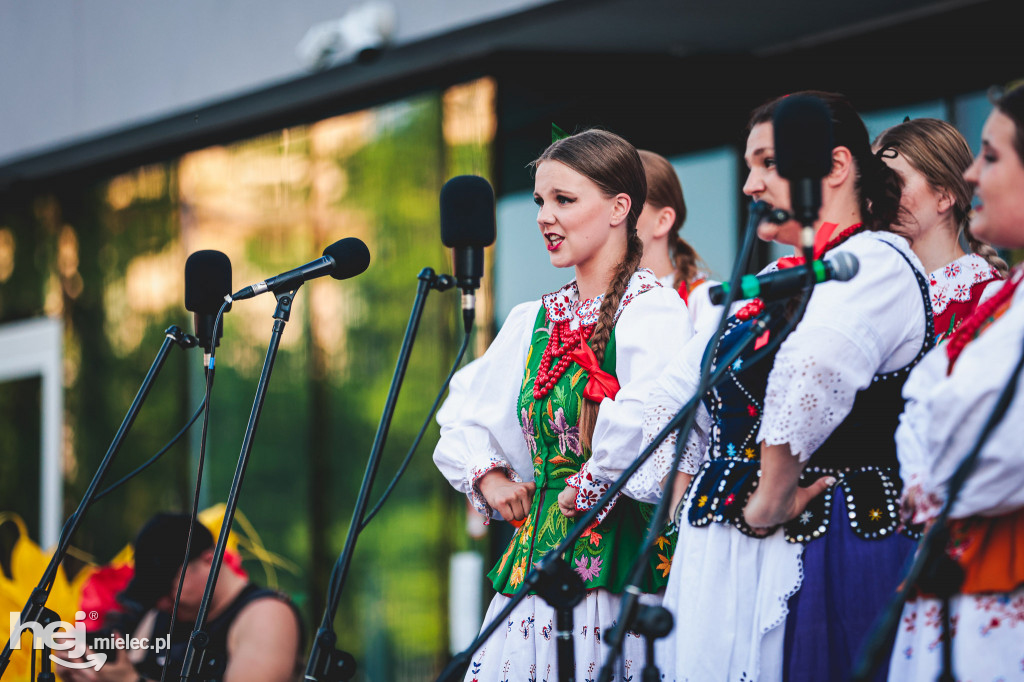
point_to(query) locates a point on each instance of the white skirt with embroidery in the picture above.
(988, 638)
(728, 593)
(524, 648)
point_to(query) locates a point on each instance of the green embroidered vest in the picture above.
(604, 555)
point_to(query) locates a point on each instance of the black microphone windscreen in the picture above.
(351, 257)
(207, 281)
(467, 212)
(802, 125)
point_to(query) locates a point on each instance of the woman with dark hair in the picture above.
(950, 396)
(930, 157)
(666, 253)
(559, 394)
(788, 543)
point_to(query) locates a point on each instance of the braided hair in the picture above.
(938, 151)
(614, 165)
(878, 187)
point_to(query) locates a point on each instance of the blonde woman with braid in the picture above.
(930, 157)
(560, 394)
(666, 253)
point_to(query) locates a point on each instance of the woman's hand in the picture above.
(511, 500)
(779, 497)
(567, 502)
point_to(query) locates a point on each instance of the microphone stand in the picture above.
(931, 562)
(325, 661)
(35, 606)
(552, 564)
(200, 639)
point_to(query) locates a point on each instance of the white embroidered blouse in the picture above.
(480, 428)
(851, 331)
(944, 417)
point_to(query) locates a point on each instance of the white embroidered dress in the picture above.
(729, 591)
(942, 421)
(480, 431)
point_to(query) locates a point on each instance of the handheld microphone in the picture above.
(467, 226)
(785, 283)
(207, 282)
(343, 259)
(802, 126)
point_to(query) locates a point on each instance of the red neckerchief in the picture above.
(986, 313)
(822, 245)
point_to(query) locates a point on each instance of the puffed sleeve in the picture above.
(918, 503)
(480, 429)
(850, 332)
(673, 389)
(650, 330)
(945, 415)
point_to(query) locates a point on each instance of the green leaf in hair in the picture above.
(557, 133)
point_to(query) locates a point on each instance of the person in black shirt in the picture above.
(255, 633)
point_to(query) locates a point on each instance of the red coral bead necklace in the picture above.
(562, 341)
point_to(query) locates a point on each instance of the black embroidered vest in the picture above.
(860, 453)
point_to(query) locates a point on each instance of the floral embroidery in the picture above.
(529, 433)
(665, 566)
(588, 571)
(568, 436)
(702, 501)
(564, 304)
(730, 499)
(525, 626)
(518, 573)
(592, 535)
(954, 281)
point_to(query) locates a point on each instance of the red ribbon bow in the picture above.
(601, 384)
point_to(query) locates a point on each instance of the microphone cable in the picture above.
(152, 460)
(419, 436)
(408, 457)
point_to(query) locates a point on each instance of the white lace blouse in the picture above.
(851, 331)
(944, 417)
(480, 429)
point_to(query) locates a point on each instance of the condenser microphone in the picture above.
(207, 283)
(343, 259)
(802, 125)
(467, 226)
(785, 283)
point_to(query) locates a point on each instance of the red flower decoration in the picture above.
(751, 410)
(99, 593)
(730, 499)
(100, 590)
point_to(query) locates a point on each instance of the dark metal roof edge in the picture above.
(436, 61)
